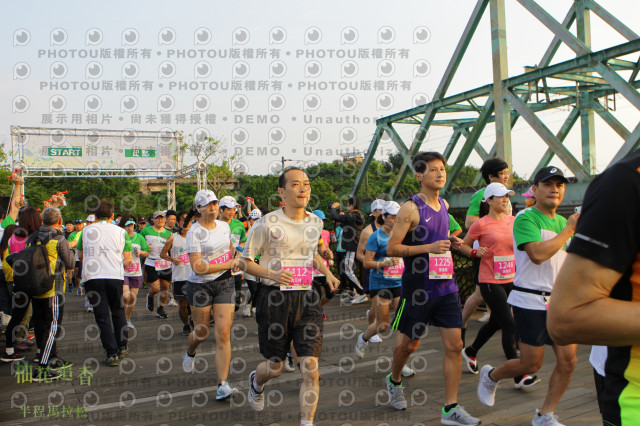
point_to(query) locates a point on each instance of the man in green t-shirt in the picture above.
(540, 239)
(228, 208)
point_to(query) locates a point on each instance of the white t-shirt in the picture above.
(102, 245)
(179, 250)
(276, 237)
(211, 244)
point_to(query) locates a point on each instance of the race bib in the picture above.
(161, 265)
(302, 271)
(395, 271)
(440, 266)
(504, 267)
(132, 268)
(184, 258)
(219, 257)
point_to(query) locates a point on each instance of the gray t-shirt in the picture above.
(284, 242)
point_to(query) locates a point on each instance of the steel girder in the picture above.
(595, 74)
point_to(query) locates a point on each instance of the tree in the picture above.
(221, 167)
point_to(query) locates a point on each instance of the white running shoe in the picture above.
(359, 299)
(408, 371)
(224, 391)
(375, 339)
(487, 387)
(172, 302)
(255, 398)
(548, 419)
(187, 362)
(130, 324)
(470, 362)
(361, 345)
(458, 417)
(396, 395)
(290, 363)
(484, 317)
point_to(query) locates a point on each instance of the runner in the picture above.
(210, 287)
(539, 238)
(289, 305)
(352, 223)
(595, 297)
(429, 292)
(252, 282)
(494, 234)
(73, 239)
(228, 209)
(158, 270)
(170, 224)
(175, 251)
(133, 271)
(492, 170)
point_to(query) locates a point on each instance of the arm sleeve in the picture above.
(615, 192)
(525, 231)
(256, 240)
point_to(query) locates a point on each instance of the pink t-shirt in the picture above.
(497, 237)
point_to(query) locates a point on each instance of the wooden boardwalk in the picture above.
(150, 388)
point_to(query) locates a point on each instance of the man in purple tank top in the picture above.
(429, 291)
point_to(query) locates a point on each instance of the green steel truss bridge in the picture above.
(585, 84)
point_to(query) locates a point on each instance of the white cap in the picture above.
(159, 213)
(377, 204)
(91, 218)
(496, 190)
(255, 214)
(390, 207)
(204, 197)
(228, 201)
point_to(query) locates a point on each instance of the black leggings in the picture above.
(495, 296)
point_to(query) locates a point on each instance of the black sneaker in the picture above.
(44, 375)
(149, 303)
(123, 353)
(57, 364)
(112, 361)
(186, 330)
(10, 358)
(160, 313)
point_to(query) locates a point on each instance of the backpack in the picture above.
(31, 268)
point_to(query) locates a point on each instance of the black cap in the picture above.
(142, 220)
(547, 173)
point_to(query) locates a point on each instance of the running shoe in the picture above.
(375, 339)
(359, 299)
(10, 358)
(255, 398)
(527, 381)
(46, 375)
(90, 309)
(487, 387)
(396, 395)
(290, 364)
(130, 324)
(187, 362)
(253, 312)
(246, 311)
(112, 361)
(149, 303)
(361, 345)
(224, 391)
(123, 353)
(58, 364)
(470, 362)
(85, 303)
(22, 346)
(172, 302)
(36, 359)
(484, 317)
(160, 313)
(186, 330)
(548, 419)
(458, 417)
(408, 371)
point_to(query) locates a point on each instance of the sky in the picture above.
(300, 80)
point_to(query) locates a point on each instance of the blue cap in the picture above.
(320, 214)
